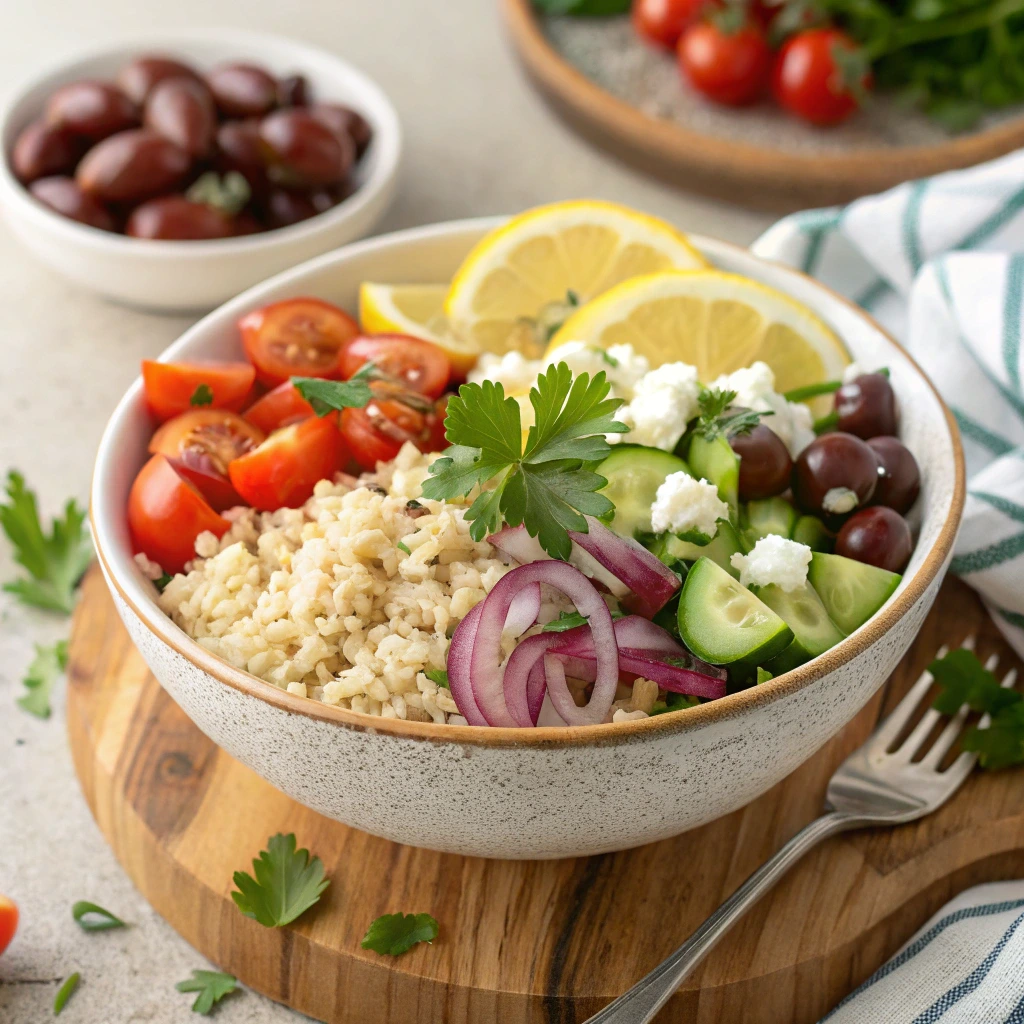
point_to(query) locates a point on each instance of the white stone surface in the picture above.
(478, 141)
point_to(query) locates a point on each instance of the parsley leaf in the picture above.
(393, 934)
(42, 675)
(55, 561)
(716, 419)
(212, 987)
(582, 8)
(65, 991)
(203, 395)
(329, 395)
(402, 546)
(287, 883)
(438, 676)
(570, 620)
(93, 918)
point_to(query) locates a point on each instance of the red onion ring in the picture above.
(460, 677)
(523, 611)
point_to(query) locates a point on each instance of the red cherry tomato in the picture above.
(377, 432)
(279, 408)
(8, 921)
(166, 514)
(296, 338)
(418, 365)
(730, 68)
(662, 22)
(808, 81)
(171, 387)
(282, 472)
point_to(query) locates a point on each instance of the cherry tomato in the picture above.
(170, 387)
(279, 408)
(730, 68)
(8, 921)
(296, 337)
(202, 443)
(166, 514)
(419, 365)
(663, 21)
(282, 472)
(808, 81)
(377, 432)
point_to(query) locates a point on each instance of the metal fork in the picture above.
(873, 786)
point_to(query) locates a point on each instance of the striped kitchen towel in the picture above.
(965, 966)
(940, 262)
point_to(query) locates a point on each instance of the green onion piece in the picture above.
(64, 993)
(93, 918)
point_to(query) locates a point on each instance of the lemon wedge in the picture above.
(533, 271)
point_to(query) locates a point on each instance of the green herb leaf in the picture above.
(93, 918)
(330, 395)
(203, 395)
(674, 702)
(64, 992)
(393, 934)
(763, 675)
(715, 418)
(287, 883)
(570, 620)
(402, 546)
(229, 193)
(582, 8)
(46, 668)
(161, 584)
(212, 987)
(439, 676)
(55, 561)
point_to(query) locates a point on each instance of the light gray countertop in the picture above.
(478, 141)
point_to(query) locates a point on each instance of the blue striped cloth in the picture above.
(940, 262)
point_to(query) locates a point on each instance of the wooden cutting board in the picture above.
(548, 941)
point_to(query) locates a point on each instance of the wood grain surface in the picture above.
(548, 941)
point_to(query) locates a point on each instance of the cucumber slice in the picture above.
(850, 591)
(634, 473)
(722, 622)
(810, 530)
(717, 463)
(719, 549)
(801, 609)
(768, 515)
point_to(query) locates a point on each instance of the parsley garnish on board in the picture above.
(329, 395)
(212, 987)
(545, 485)
(44, 671)
(715, 418)
(287, 883)
(394, 934)
(91, 917)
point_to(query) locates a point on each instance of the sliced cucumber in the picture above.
(765, 516)
(634, 474)
(801, 609)
(722, 622)
(717, 463)
(810, 530)
(719, 549)
(850, 591)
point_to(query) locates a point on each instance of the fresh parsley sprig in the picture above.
(394, 934)
(328, 396)
(212, 987)
(287, 883)
(46, 668)
(716, 418)
(545, 484)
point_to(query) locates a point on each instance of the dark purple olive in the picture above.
(132, 166)
(765, 464)
(899, 479)
(307, 154)
(866, 406)
(345, 121)
(239, 148)
(242, 90)
(282, 208)
(63, 195)
(181, 110)
(878, 536)
(834, 475)
(91, 109)
(138, 79)
(42, 150)
(175, 217)
(293, 91)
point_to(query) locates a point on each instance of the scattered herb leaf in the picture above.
(287, 883)
(674, 702)
(763, 675)
(438, 676)
(42, 675)
(203, 395)
(582, 8)
(64, 992)
(715, 418)
(570, 620)
(161, 583)
(329, 395)
(393, 934)
(229, 193)
(93, 918)
(402, 546)
(212, 987)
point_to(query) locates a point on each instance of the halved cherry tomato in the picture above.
(296, 338)
(282, 472)
(8, 921)
(166, 514)
(808, 77)
(171, 387)
(417, 364)
(663, 21)
(279, 408)
(377, 432)
(728, 67)
(201, 444)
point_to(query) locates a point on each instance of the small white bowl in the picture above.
(181, 276)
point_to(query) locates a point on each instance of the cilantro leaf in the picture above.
(328, 396)
(287, 883)
(42, 675)
(570, 620)
(716, 419)
(203, 395)
(93, 918)
(65, 991)
(212, 987)
(55, 562)
(393, 934)
(438, 676)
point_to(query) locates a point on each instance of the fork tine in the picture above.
(959, 769)
(949, 735)
(902, 713)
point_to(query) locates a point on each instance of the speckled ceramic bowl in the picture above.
(516, 792)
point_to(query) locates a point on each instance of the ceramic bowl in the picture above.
(528, 793)
(179, 276)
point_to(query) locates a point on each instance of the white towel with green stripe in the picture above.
(940, 262)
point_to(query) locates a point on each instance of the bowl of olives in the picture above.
(172, 173)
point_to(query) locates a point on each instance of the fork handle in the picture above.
(647, 996)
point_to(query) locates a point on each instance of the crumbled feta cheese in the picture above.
(512, 370)
(774, 559)
(622, 366)
(839, 500)
(663, 402)
(683, 504)
(852, 372)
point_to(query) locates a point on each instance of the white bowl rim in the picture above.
(387, 144)
(144, 605)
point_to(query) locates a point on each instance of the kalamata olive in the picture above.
(239, 148)
(282, 208)
(899, 479)
(765, 464)
(307, 153)
(65, 197)
(179, 218)
(138, 78)
(181, 110)
(132, 166)
(92, 109)
(293, 91)
(835, 474)
(42, 150)
(242, 90)
(345, 121)
(866, 406)
(878, 536)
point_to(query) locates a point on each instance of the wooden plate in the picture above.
(732, 168)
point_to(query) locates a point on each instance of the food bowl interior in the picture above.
(432, 254)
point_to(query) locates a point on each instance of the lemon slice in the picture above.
(535, 268)
(716, 321)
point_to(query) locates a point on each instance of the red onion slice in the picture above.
(523, 611)
(636, 631)
(524, 680)
(460, 656)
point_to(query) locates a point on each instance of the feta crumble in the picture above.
(774, 559)
(852, 372)
(683, 504)
(622, 366)
(663, 402)
(513, 371)
(839, 500)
